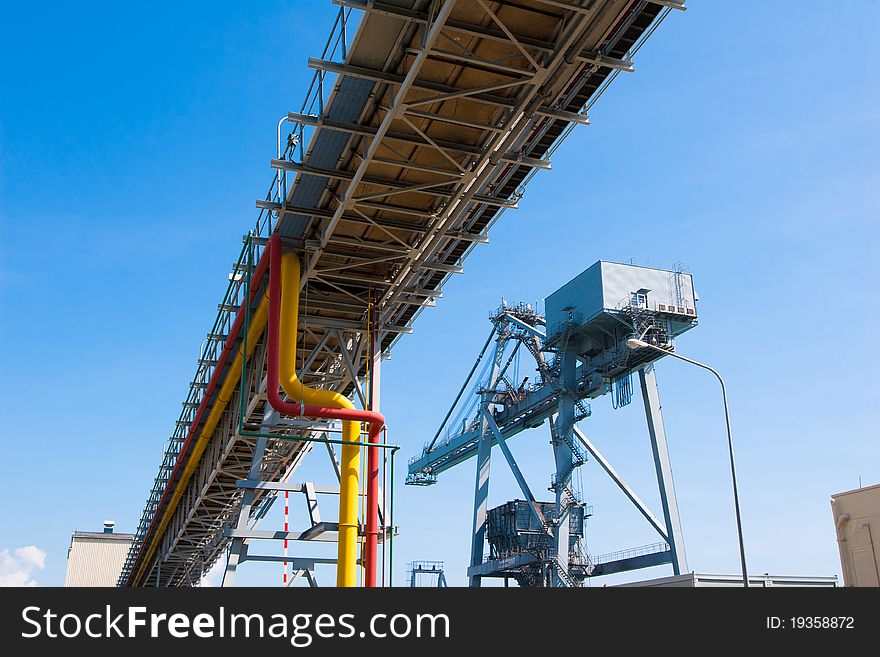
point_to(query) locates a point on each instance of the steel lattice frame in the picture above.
(438, 114)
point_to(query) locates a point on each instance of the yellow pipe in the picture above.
(233, 378)
(346, 569)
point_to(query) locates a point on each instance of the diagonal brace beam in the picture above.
(514, 468)
(641, 506)
(402, 90)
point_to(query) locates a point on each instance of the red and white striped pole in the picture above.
(286, 529)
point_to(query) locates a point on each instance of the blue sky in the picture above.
(135, 139)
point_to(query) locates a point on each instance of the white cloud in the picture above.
(17, 566)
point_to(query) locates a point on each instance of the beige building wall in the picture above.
(857, 521)
(96, 558)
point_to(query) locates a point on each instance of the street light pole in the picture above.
(634, 343)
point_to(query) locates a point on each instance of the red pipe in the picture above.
(372, 524)
(375, 420)
(228, 345)
(371, 548)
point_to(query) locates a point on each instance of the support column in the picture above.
(481, 499)
(374, 396)
(651, 397)
(238, 549)
(564, 457)
(375, 388)
(481, 484)
(374, 480)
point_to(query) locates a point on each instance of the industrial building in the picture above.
(857, 523)
(96, 558)
(700, 580)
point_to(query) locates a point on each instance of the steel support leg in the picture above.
(651, 397)
(481, 483)
(375, 388)
(564, 458)
(312, 502)
(374, 396)
(334, 460)
(481, 499)
(294, 576)
(238, 549)
(514, 469)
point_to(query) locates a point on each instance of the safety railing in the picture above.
(652, 548)
(313, 105)
(206, 362)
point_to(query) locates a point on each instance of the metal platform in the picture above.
(421, 127)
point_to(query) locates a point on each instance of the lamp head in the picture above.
(635, 343)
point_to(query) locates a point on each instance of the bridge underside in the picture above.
(420, 129)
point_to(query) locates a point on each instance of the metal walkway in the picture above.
(421, 127)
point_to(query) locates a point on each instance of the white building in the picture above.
(857, 521)
(697, 580)
(96, 558)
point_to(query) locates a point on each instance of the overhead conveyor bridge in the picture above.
(424, 122)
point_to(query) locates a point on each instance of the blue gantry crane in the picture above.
(580, 353)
